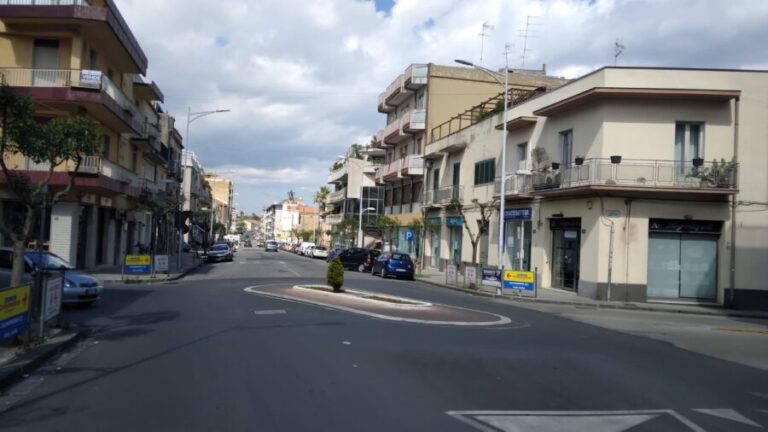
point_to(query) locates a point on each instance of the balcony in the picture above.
(334, 219)
(390, 171)
(338, 175)
(644, 178)
(336, 196)
(444, 196)
(92, 21)
(382, 106)
(416, 76)
(414, 121)
(89, 88)
(516, 184)
(413, 165)
(392, 134)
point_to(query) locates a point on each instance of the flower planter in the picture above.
(697, 162)
(615, 159)
(555, 165)
(579, 161)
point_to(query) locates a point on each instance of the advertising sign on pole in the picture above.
(520, 282)
(161, 263)
(450, 274)
(14, 311)
(137, 265)
(470, 276)
(491, 278)
(52, 305)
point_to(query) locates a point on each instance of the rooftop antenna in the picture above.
(484, 34)
(618, 48)
(526, 33)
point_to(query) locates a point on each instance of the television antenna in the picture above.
(527, 33)
(484, 34)
(618, 48)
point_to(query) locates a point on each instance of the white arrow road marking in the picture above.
(564, 421)
(269, 312)
(728, 414)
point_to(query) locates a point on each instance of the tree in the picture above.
(240, 227)
(485, 209)
(306, 235)
(57, 142)
(347, 230)
(417, 226)
(321, 196)
(388, 227)
(335, 275)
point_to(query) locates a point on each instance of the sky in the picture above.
(302, 78)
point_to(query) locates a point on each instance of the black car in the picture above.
(359, 259)
(332, 254)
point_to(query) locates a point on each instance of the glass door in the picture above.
(566, 246)
(518, 244)
(435, 241)
(698, 266)
(663, 265)
(456, 233)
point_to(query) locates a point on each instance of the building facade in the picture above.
(630, 184)
(83, 59)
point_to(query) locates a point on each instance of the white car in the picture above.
(304, 248)
(319, 252)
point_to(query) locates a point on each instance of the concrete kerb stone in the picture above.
(386, 299)
(615, 306)
(19, 366)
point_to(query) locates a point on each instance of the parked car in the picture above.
(332, 254)
(247, 244)
(309, 251)
(319, 252)
(397, 264)
(220, 252)
(271, 246)
(304, 248)
(80, 287)
(359, 259)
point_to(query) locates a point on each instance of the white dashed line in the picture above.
(269, 312)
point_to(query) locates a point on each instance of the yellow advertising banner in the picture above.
(141, 260)
(518, 276)
(14, 301)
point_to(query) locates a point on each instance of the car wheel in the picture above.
(361, 268)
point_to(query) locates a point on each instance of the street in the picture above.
(204, 354)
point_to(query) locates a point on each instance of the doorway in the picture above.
(45, 62)
(682, 266)
(566, 248)
(435, 243)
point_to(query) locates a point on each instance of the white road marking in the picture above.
(562, 421)
(728, 414)
(501, 319)
(760, 395)
(347, 343)
(269, 312)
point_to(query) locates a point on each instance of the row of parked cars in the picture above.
(384, 264)
(309, 250)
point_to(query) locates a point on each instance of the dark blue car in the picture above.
(397, 264)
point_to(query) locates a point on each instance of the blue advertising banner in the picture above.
(518, 214)
(137, 265)
(491, 277)
(14, 311)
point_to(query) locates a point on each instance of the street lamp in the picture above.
(503, 177)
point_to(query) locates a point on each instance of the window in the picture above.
(485, 171)
(407, 197)
(105, 147)
(92, 59)
(396, 196)
(566, 147)
(689, 142)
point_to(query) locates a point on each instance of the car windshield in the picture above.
(400, 257)
(219, 247)
(50, 261)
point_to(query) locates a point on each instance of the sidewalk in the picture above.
(15, 363)
(113, 274)
(558, 296)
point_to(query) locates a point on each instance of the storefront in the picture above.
(566, 249)
(518, 232)
(682, 259)
(455, 226)
(434, 226)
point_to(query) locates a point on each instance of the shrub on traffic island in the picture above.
(335, 275)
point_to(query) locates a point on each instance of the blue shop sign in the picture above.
(454, 221)
(518, 214)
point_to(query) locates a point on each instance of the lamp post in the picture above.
(191, 117)
(503, 177)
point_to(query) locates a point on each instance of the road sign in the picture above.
(161, 263)
(408, 235)
(14, 311)
(137, 265)
(523, 281)
(52, 306)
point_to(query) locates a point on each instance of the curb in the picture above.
(153, 281)
(615, 306)
(30, 361)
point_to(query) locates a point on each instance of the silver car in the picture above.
(79, 287)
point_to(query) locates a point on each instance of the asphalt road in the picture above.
(202, 354)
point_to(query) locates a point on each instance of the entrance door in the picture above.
(518, 244)
(566, 245)
(682, 266)
(45, 61)
(456, 233)
(456, 178)
(435, 242)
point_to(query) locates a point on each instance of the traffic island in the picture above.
(381, 306)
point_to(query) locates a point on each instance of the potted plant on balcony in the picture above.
(579, 160)
(697, 162)
(555, 165)
(616, 159)
(720, 174)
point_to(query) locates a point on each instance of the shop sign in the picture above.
(105, 202)
(518, 214)
(14, 311)
(52, 306)
(613, 213)
(523, 281)
(435, 221)
(684, 226)
(88, 199)
(565, 223)
(137, 265)
(491, 277)
(450, 274)
(454, 221)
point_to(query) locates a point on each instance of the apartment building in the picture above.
(352, 179)
(198, 201)
(81, 58)
(630, 184)
(418, 100)
(223, 191)
(281, 218)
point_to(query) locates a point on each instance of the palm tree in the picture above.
(321, 195)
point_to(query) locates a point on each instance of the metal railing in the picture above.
(639, 173)
(417, 74)
(415, 119)
(444, 195)
(45, 3)
(394, 88)
(414, 162)
(515, 184)
(334, 219)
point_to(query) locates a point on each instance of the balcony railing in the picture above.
(88, 165)
(515, 184)
(391, 169)
(414, 164)
(63, 78)
(337, 174)
(414, 120)
(393, 89)
(444, 195)
(334, 219)
(416, 75)
(336, 196)
(639, 174)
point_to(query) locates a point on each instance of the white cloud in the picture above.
(302, 77)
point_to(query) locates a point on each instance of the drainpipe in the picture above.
(628, 203)
(732, 296)
(610, 246)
